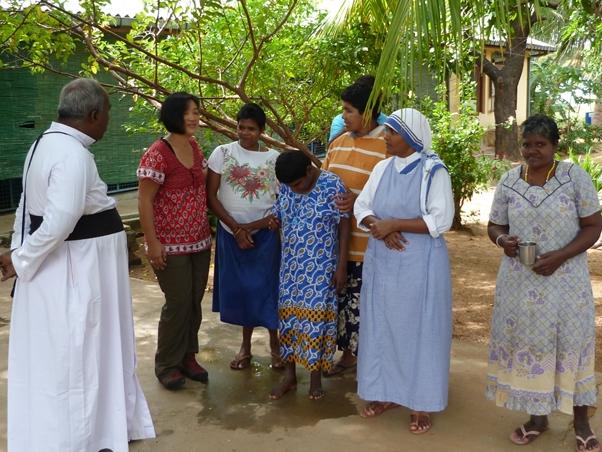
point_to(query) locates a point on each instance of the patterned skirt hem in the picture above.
(321, 365)
(542, 403)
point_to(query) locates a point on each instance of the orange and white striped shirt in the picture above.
(352, 159)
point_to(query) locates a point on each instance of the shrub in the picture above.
(457, 140)
(577, 137)
(593, 168)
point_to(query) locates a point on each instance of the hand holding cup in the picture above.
(509, 243)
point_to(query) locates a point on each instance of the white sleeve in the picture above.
(363, 204)
(439, 204)
(216, 160)
(66, 200)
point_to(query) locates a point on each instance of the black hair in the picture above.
(541, 125)
(358, 93)
(254, 112)
(291, 166)
(173, 109)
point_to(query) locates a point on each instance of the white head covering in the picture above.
(413, 127)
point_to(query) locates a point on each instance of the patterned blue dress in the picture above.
(307, 305)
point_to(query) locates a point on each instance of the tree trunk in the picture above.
(505, 80)
(457, 222)
(506, 129)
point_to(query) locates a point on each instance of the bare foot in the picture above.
(420, 422)
(374, 409)
(285, 386)
(316, 394)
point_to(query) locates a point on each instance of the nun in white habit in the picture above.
(405, 334)
(72, 384)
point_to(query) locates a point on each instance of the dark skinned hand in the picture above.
(339, 280)
(510, 245)
(380, 229)
(395, 241)
(244, 240)
(546, 264)
(345, 201)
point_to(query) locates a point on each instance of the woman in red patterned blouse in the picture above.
(172, 202)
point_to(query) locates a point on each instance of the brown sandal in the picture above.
(415, 423)
(338, 369)
(374, 409)
(277, 363)
(241, 361)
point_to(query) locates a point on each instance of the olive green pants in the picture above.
(183, 282)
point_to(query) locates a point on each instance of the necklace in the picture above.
(256, 150)
(547, 175)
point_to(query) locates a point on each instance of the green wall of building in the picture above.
(28, 105)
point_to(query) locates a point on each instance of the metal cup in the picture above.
(527, 253)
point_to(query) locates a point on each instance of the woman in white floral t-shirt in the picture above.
(241, 191)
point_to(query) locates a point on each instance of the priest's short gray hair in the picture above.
(80, 97)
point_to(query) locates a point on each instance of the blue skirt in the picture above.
(245, 282)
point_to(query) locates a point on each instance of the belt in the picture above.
(88, 226)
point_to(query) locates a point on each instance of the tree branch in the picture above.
(257, 48)
(145, 52)
(17, 28)
(488, 68)
(243, 3)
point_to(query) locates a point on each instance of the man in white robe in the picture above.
(72, 384)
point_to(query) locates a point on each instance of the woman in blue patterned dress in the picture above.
(313, 268)
(541, 352)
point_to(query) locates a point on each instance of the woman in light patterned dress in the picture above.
(541, 352)
(315, 239)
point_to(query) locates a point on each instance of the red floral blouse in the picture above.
(180, 205)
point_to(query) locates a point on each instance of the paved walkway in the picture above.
(233, 413)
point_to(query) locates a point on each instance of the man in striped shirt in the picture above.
(352, 156)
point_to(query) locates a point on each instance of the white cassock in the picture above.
(72, 384)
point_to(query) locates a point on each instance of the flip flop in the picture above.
(241, 362)
(338, 369)
(582, 444)
(374, 409)
(526, 437)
